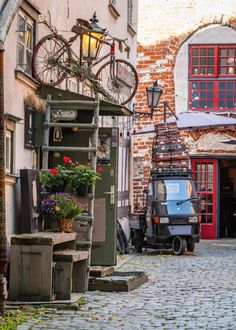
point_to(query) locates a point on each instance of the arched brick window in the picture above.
(205, 71)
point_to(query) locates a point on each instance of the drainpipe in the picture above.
(3, 236)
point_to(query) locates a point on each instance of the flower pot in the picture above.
(82, 190)
(65, 224)
(56, 189)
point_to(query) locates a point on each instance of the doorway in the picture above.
(227, 169)
(205, 177)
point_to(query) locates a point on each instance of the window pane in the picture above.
(210, 70)
(211, 52)
(202, 95)
(210, 86)
(195, 51)
(221, 95)
(222, 61)
(210, 104)
(28, 61)
(223, 52)
(202, 60)
(227, 95)
(229, 104)
(202, 85)
(9, 151)
(194, 70)
(21, 29)
(20, 54)
(25, 41)
(231, 52)
(203, 52)
(222, 70)
(229, 85)
(29, 39)
(210, 95)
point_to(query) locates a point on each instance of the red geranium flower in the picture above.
(66, 160)
(54, 171)
(100, 170)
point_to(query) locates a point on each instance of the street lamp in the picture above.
(153, 96)
(91, 41)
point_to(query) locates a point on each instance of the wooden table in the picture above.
(31, 268)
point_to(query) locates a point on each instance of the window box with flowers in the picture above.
(62, 208)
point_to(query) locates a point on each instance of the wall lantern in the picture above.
(154, 93)
(153, 96)
(91, 41)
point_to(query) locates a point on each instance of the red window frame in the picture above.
(211, 87)
(205, 174)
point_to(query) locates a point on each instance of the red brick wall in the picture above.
(156, 61)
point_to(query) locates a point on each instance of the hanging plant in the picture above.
(36, 102)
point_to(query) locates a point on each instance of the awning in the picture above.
(193, 120)
(106, 108)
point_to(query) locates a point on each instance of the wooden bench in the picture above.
(70, 272)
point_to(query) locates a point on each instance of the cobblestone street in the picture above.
(193, 291)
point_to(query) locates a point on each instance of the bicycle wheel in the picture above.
(121, 83)
(50, 60)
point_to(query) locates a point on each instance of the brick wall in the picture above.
(163, 26)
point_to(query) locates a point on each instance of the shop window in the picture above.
(25, 42)
(212, 78)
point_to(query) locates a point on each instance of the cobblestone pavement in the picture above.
(193, 291)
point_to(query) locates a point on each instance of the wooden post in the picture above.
(94, 142)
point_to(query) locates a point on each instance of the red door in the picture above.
(205, 176)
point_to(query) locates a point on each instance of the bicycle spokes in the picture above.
(51, 60)
(119, 79)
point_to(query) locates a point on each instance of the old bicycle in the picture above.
(54, 60)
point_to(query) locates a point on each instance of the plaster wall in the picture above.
(62, 14)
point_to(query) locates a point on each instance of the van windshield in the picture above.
(175, 196)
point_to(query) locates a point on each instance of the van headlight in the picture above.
(193, 219)
(164, 220)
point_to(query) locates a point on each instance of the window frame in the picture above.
(29, 21)
(130, 10)
(216, 77)
(9, 147)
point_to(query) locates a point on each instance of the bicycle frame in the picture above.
(116, 79)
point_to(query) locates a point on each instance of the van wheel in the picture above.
(190, 247)
(138, 241)
(179, 245)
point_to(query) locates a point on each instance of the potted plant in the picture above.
(54, 179)
(81, 178)
(62, 208)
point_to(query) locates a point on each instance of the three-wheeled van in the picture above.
(171, 218)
